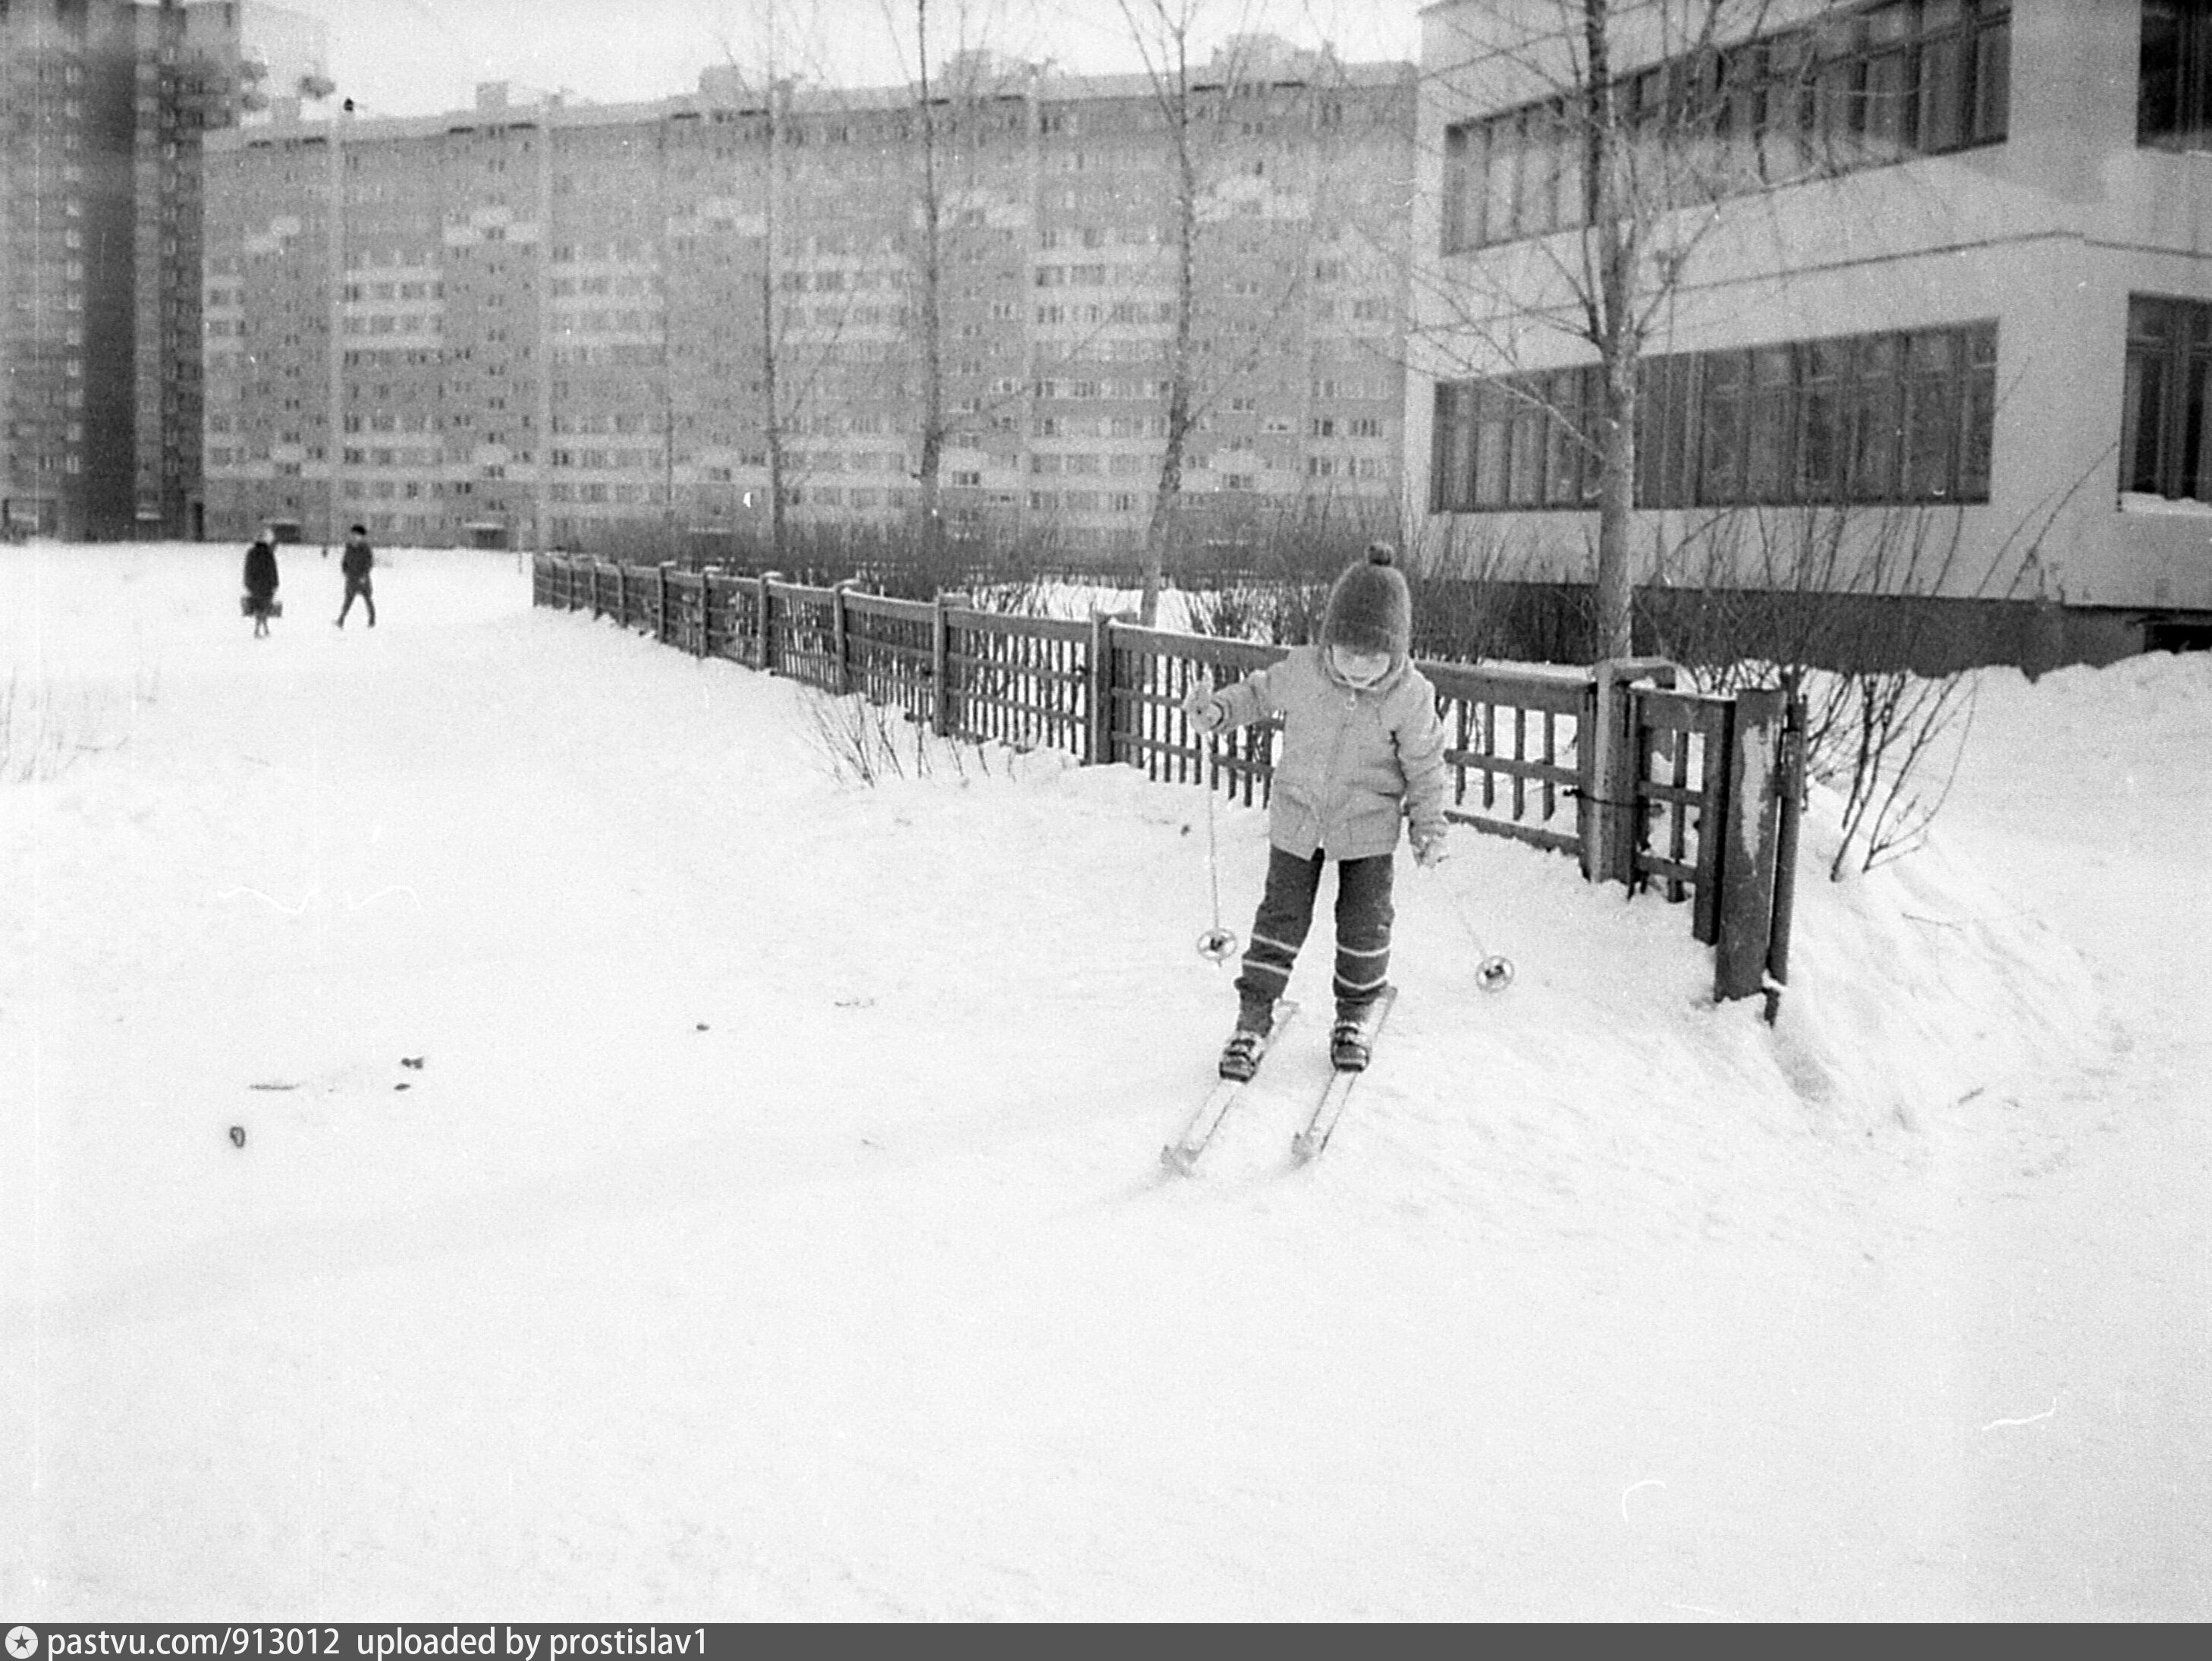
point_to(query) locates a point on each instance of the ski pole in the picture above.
(1216, 944)
(1493, 971)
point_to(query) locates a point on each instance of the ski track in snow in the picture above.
(772, 1227)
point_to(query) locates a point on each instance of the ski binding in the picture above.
(1307, 1144)
(1181, 1155)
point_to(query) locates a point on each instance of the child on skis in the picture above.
(1362, 748)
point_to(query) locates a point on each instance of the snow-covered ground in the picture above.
(772, 1227)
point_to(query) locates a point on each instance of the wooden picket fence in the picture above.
(1687, 794)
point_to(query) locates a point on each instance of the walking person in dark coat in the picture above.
(261, 580)
(356, 564)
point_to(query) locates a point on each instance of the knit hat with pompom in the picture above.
(1370, 609)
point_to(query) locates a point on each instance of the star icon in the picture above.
(22, 1644)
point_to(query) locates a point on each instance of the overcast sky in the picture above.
(416, 57)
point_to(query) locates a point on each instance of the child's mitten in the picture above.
(1205, 707)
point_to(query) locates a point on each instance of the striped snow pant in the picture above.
(1363, 915)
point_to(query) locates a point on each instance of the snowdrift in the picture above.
(673, 1178)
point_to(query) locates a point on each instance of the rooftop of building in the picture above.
(1247, 62)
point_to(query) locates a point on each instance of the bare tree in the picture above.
(1610, 254)
(779, 493)
(1162, 30)
(957, 122)
(765, 92)
(797, 351)
(1635, 143)
(932, 263)
(952, 128)
(1196, 102)
(1831, 603)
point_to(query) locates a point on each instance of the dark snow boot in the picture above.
(1350, 1041)
(1240, 1057)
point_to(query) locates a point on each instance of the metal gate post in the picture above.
(1747, 864)
(765, 652)
(1608, 766)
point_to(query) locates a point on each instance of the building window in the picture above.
(2173, 88)
(2166, 444)
(1523, 441)
(1861, 89)
(1897, 416)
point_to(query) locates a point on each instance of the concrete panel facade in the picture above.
(2046, 232)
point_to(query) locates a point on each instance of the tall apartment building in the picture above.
(104, 105)
(538, 325)
(1942, 264)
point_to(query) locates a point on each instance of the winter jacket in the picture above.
(357, 560)
(1353, 760)
(261, 570)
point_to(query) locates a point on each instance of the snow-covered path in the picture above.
(771, 1227)
(2078, 1244)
